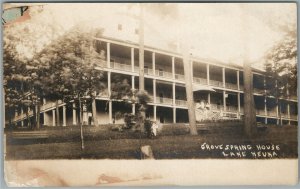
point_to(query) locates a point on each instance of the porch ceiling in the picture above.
(203, 88)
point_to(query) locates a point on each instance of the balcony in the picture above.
(231, 109)
(151, 100)
(260, 112)
(200, 80)
(164, 74)
(231, 86)
(272, 113)
(216, 83)
(120, 66)
(216, 107)
(102, 63)
(179, 77)
(292, 116)
(162, 100)
(230, 115)
(148, 71)
(284, 115)
(181, 103)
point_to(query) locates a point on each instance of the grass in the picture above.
(173, 142)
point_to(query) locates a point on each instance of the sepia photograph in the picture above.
(148, 81)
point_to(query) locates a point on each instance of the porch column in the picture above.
(207, 73)
(266, 112)
(44, 101)
(154, 91)
(238, 79)
(174, 115)
(108, 54)
(22, 112)
(277, 113)
(132, 59)
(239, 104)
(153, 63)
(174, 94)
(132, 87)
(110, 111)
(208, 98)
(173, 67)
(224, 100)
(64, 116)
(109, 93)
(223, 75)
(154, 112)
(74, 115)
(45, 119)
(53, 117)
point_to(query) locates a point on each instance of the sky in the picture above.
(227, 32)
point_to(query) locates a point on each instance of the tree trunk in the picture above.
(38, 117)
(189, 92)
(57, 120)
(94, 112)
(34, 117)
(249, 105)
(28, 118)
(141, 62)
(80, 122)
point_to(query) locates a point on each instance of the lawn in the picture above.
(173, 142)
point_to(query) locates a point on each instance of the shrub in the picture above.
(148, 128)
(129, 120)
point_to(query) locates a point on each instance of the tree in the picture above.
(250, 126)
(22, 41)
(68, 70)
(282, 68)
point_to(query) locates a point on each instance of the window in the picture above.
(119, 27)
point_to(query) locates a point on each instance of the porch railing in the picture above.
(216, 107)
(160, 73)
(181, 103)
(231, 86)
(292, 116)
(231, 108)
(200, 80)
(260, 112)
(179, 77)
(272, 113)
(162, 100)
(120, 66)
(216, 83)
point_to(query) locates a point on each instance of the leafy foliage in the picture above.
(281, 66)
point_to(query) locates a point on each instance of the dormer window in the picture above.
(136, 31)
(119, 27)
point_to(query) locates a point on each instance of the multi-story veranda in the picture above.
(220, 86)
